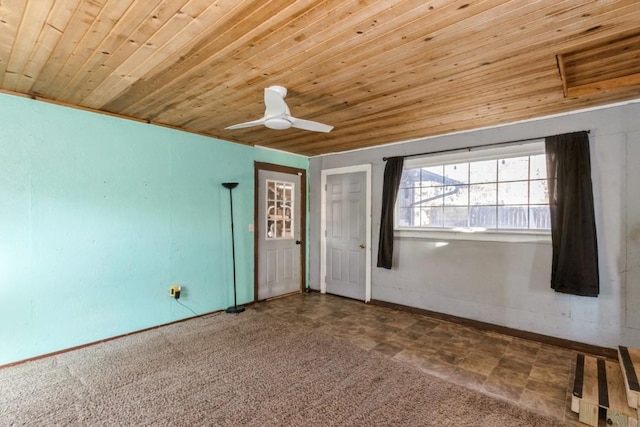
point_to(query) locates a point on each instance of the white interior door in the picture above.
(279, 234)
(346, 235)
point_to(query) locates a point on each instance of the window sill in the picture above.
(487, 236)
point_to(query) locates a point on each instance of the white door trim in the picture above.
(366, 168)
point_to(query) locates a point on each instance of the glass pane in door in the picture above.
(280, 214)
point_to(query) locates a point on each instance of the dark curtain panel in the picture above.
(392, 175)
(574, 268)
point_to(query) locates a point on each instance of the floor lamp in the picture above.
(235, 308)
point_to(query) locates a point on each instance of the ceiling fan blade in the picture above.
(309, 125)
(274, 101)
(247, 124)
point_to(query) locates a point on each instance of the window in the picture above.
(492, 189)
(279, 210)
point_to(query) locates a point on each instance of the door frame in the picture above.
(366, 168)
(302, 194)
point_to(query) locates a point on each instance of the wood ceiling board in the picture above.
(459, 120)
(596, 51)
(222, 43)
(378, 71)
(614, 60)
(33, 20)
(253, 116)
(166, 48)
(615, 83)
(442, 102)
(128, 32)
(203, 88)
(354, 103)
(616, 67)
(241, 75)
(79, 22)
(82, 60)
(47, 38)
(334, 68)
(11, 16)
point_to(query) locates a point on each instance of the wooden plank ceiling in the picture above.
(379, 71)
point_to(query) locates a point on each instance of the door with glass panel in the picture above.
(279, 234)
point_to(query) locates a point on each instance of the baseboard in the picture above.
(78, 347)
(532, 336)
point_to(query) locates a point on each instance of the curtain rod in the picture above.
(450, 150)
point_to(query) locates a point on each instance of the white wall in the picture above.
(508, 283)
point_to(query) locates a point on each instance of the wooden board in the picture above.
(619, 412)
(630, 364)
(599, 384)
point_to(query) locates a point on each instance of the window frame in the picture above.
(474, 154)
(277, 223)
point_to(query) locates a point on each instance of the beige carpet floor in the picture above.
(247, 369)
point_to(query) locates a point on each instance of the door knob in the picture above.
(362, 246)
(298, 242)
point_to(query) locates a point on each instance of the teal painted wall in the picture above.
(99, 216)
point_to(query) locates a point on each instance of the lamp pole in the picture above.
(235, 308)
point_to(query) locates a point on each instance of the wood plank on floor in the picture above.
(599, 384)
(630, 364)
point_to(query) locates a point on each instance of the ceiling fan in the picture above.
(278, 116)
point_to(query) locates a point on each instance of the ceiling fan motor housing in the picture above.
(277, 123)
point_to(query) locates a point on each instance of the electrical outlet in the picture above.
(174, 291)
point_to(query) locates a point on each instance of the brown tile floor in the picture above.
(530, 374)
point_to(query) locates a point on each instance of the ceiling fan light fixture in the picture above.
(277, 123)
(277, 115)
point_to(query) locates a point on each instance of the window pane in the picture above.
(538, 166)
(405, 197)
(431, 217)
(538, 193)
(432, 176)
(513, 216)
(456, 216)
(416, 177)
(483, 194)
(408, 197)
(456, 195)
(513, 193)
(430, 196)
(540, 217)
(410, 178)
(280, 195)
(484, 171)
(406, 218)
(513, 169)
(483, 216)
(456, 174)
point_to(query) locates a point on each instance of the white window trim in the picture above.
(492, 235)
